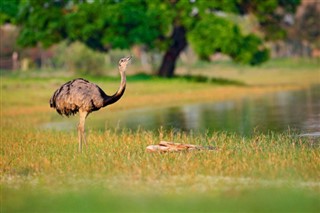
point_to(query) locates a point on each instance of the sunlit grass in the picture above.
(33, 152)
(41, 165)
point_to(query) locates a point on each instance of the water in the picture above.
(297, 111)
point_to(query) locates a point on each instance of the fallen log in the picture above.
(165, 146)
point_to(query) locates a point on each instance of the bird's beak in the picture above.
(129, 58)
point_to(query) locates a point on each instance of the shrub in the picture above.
(78, 58)
(214, 34)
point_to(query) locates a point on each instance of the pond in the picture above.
(297, 111)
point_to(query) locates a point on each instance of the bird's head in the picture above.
(123, 63)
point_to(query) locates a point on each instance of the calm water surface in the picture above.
(298, 111)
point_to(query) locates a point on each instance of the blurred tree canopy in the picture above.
(169, 25)
(9, 10)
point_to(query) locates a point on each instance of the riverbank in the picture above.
(147, 91)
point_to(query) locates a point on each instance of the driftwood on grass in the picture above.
(165, 146)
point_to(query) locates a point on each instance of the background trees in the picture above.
(168, 26)
(9, 10)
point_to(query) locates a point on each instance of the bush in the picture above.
(214, 34)
(78, 58)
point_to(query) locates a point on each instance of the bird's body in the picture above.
(79, 95)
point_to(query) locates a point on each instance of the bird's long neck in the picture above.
(115, 97)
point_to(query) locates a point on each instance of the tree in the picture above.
(8, 10)
(167, 25)
(100, 25)
(206, 26)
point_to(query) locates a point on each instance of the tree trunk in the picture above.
(179, 42)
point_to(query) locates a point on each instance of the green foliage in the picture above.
(132, 22)
(42, 23)
(249, 51)
(8, 10)
(99, 25)
(212, 35)
(79, 59)
(215, 34)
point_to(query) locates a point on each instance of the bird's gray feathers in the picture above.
(77, 94)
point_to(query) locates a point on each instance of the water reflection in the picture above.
(297, 110)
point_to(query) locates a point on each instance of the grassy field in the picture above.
(41, 170)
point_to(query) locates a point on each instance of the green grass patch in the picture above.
(97, 200)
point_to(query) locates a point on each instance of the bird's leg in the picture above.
(84, 137)
(79, 138)
(81, 134)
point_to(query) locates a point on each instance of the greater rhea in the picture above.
(79, 95)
